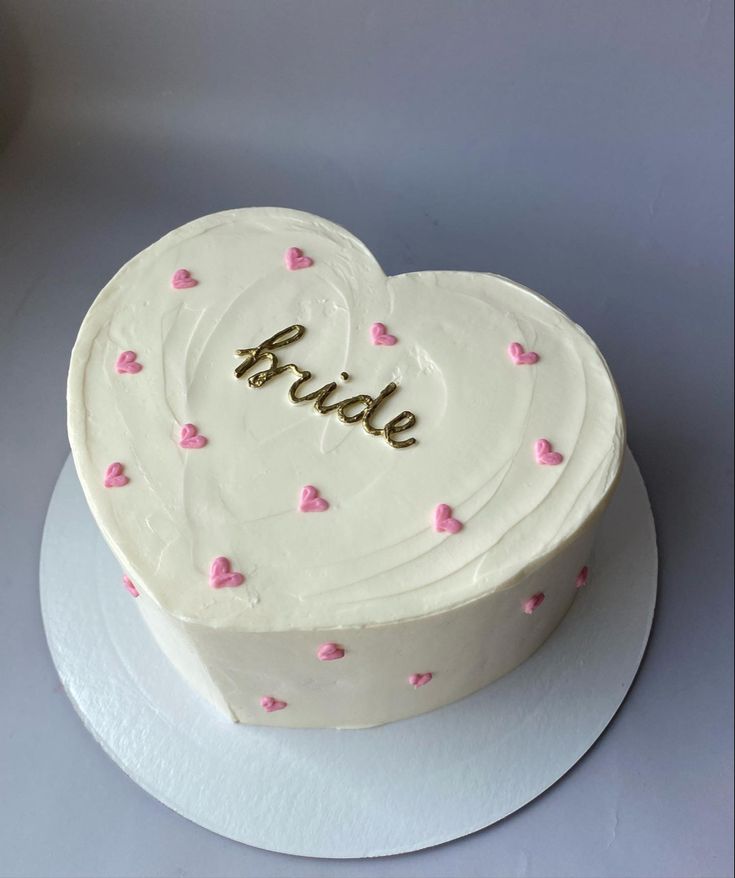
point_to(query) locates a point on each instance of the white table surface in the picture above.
(580, 148)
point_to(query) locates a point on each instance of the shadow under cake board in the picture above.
(350, 793)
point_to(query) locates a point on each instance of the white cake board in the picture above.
(325, 793)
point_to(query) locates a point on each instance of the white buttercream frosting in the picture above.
(402, 598)
(374, 556)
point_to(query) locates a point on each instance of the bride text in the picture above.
(359, 408)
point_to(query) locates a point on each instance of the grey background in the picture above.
(580, 148)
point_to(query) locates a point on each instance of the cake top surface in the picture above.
(234, 506)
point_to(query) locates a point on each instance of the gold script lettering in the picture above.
(368, 406)
(401, 422)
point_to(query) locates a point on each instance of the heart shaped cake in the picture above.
(338, 498)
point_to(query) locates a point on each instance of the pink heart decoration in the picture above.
(329, 652)
(311, 501)
(189, 437)
(295, 259)
(533, 603)
(380, 335)
(443, 521)
(114, 476)
(221, 574)
(270, 704)
(544, 454)
(519, 356)
(130, 586)
(183, 280)
(126, 362)
(582, 577)
(419, 680)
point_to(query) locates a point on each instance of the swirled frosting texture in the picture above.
(373, 557)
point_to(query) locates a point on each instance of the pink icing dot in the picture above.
(419, 680)
(182, 279)
(115, 477)
(221, 574)
(443, 520)
(311, 501)
(189, 437)
(329, 652)
(127, 362)
(533, 603)
(130, 586)
(520, 357)
(295, 259)
(381, 336)
(545, 455)
(270, 704)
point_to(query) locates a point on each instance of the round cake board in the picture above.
(328, 793)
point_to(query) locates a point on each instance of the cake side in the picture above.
(358, 677)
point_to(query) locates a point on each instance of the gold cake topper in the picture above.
(364, 406)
